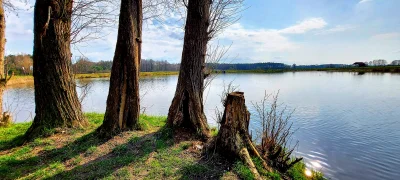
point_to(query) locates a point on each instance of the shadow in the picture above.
(213, 168)
(47, 157)
(138, 149)
(135, 150)
(12, 143)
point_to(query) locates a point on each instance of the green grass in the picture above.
(28, 79)
(243, 171)
(298, 172)
(148, 154)
(142, 74)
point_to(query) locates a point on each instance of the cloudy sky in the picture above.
(288, 31)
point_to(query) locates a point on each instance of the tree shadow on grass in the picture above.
(12, 143)
(47, 157)
(136, 149)
(212, 168)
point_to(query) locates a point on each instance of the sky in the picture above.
(286, 31)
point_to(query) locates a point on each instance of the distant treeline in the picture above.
(320, 66)
(21, 64)
(84, 65)
(248, 66)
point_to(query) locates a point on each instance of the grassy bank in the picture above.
(142, 74)
(153, 153)
(21, 80)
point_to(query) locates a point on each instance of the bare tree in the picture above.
(8, 6)
(123, 108)
(228, 88)
(186, 110)
(90, 17)
(56, 99)
(223, 13)
(215, 55)
(204, 20)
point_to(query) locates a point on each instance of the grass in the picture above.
(142, 74)
(153, 153)
(296, 172)
(149, 154)
(23, 80)
(20, 80)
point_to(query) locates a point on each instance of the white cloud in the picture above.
(305, 26)
(386, 36)
(267, 44)
(336, 29)
(364, 1)
(255, 44)
(160, 41)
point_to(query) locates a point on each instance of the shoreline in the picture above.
(26, 80)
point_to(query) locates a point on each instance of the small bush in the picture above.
(275, 134)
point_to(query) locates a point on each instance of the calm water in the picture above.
(349, 124)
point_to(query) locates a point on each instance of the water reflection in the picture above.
(348, 123)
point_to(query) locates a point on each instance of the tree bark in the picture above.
(123, 108)
(233, 139)
(57, 104)
(2, 49)
(2, 39)
(186, 110)
(4, 118)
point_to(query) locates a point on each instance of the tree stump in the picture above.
(233, 139)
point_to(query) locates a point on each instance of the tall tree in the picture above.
(186, 109)
(3, 75)
(57, 104)
(2, 44)
(122, 112)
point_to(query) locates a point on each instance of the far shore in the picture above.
(28, 80)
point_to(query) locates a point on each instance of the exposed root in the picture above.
(245, 157)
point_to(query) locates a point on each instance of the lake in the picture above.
(348, 123)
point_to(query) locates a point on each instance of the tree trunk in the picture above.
(57, 104)
(186, 110)
(2, 39)
(123, 108)
(3, 78)
(233, 139)
(2, 45)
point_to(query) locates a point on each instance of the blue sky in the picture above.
(288, 31)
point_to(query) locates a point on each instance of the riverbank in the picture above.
(142, 74)
(22, 80)
(153, 153)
